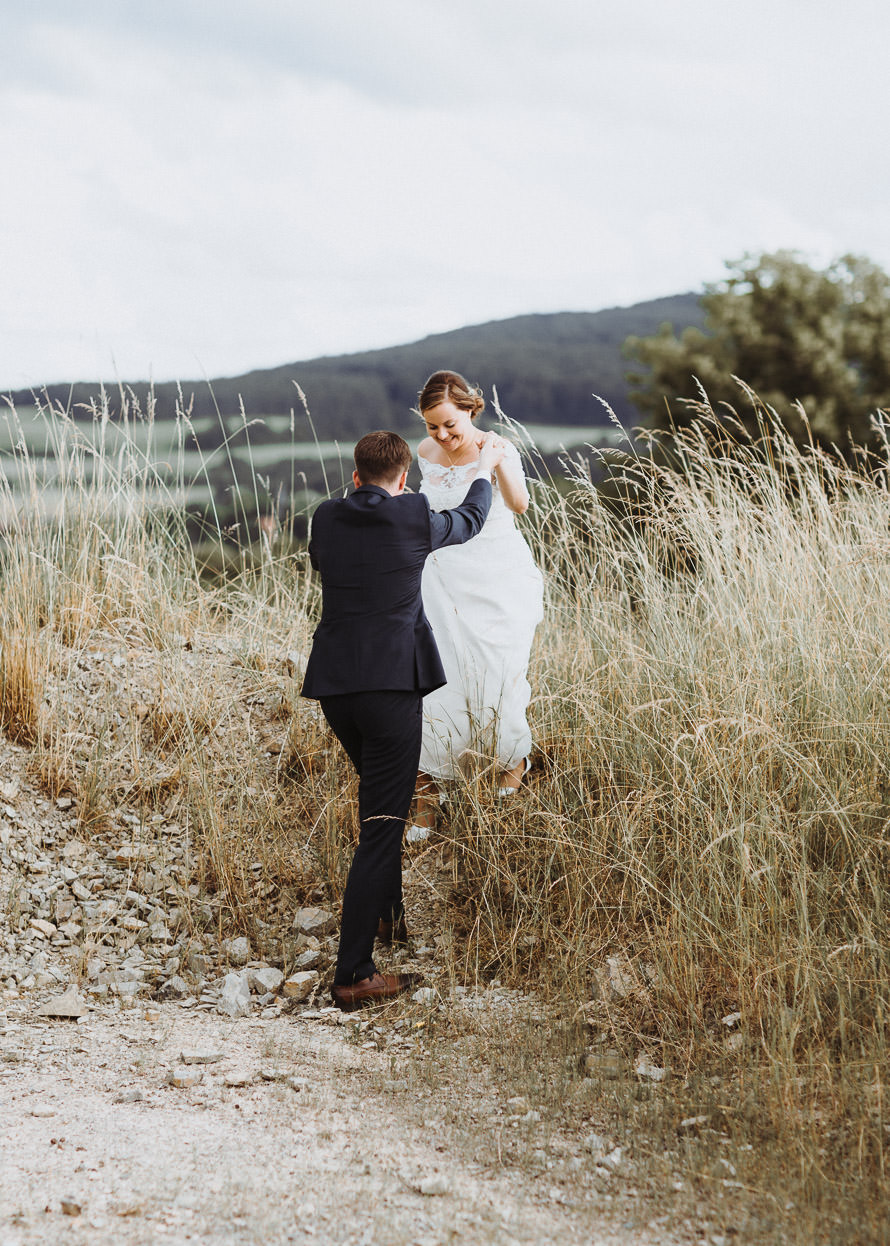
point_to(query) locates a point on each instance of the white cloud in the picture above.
(194, 186)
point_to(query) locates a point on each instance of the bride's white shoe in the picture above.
(511, 791)
(415, 833)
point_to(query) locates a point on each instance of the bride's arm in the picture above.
(511, 482)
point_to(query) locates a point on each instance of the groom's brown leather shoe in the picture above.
(376, 990)
(392, 934)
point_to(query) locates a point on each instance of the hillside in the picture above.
(546, 369)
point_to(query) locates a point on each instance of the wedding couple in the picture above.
(429, 606)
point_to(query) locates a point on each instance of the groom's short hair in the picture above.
(381, 457)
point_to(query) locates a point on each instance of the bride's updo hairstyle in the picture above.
(451, 387)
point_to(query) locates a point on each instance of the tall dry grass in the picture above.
(710, 801)
(95, 565)
(708, 805)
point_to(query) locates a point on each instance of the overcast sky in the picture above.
(200, 187)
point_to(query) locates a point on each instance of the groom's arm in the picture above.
(459, 524)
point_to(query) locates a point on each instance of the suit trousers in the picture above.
(381, 733)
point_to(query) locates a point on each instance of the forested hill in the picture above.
(546, 369)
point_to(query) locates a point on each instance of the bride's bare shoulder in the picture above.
(429, 450)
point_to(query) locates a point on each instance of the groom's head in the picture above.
(382, 459)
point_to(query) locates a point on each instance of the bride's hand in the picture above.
(491, 451)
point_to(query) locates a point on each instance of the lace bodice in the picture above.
(446, 487)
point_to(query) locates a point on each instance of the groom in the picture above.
(373, 660)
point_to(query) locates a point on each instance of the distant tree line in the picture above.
(546, 368)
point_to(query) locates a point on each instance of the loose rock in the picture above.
(238, 1077)
(128, 1096)
(47, 929)
(234, 1000)
(184, 1079)
(315, 921)
(598, 1145)
(301, 985)
(264, 980)
(200, 1057)
(643, 1067)
(435, 1185)
(237, 950)
(70, 1005)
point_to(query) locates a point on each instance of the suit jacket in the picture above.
(370, 548)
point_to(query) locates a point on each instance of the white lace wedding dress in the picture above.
(484, 600)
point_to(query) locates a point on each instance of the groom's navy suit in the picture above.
(373, 660)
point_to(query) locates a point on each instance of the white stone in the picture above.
(295, 662)
(434, 1185)
(314, 921)
(238, 1077)
(425, 995)
(200, 1057)
(68, 1005)
(616, 977)
(643, 1067)
(234, 1000)
(184, 1079)
(598, 1145)
(263, 980)
(128, 1096)
(131, 854)
(198, 962)
(237, 951)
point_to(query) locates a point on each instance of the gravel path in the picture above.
(325, 1141)
(422, 1123)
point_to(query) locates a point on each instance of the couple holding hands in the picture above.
(429, 607)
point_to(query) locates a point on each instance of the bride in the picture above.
(483, 599)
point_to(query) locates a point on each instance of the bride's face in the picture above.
(450, 427)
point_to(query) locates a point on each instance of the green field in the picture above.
(188, 463)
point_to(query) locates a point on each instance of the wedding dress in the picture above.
(484, 600)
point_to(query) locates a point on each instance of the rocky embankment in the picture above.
(73, 916)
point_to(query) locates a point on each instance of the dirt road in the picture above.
(325, 1141)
